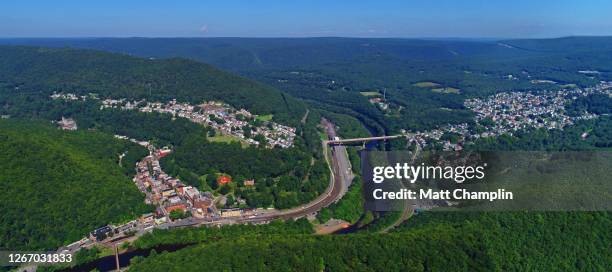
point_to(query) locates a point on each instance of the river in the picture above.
(108, 263)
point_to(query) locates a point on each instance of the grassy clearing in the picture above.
(426, 84)
(446, 90)
(227, 139)
(370, 93)
(266, 117)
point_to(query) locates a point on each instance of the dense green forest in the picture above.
(431, 242)
(584, 135)
(67, 183)
(530, 241)
(597, 104)
(213, 234)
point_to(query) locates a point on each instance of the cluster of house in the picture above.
(506, 113)
(422, 138)
(168, 193)
(145, 144)
(69, 96)
(220, 116)
(67, 124)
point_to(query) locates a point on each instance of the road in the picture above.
(408, 206)
(305, 116)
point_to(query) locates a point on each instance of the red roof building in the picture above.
(163, 152)
(223, 180)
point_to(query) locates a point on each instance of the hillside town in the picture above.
(508, 112)
(223, 118)
(220, 116)
(168, 193)
(173, 201)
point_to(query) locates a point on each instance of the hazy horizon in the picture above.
(301, 19)
(311, 37)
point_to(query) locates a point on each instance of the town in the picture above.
(241, 124)
(508, 112)
(173, 200)
(222, 117)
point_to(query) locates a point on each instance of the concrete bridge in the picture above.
(338, 141)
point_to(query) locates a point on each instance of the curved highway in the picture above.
(340, 179)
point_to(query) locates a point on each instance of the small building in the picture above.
(221, 180)
(199, 213)
(168, 193)
(191, 193)
(231, 213)
(174, 200)
(147, 218)
(163, 152)
(102, 233)
(202, 203)
(249, 182)
(67, 124)
(160, 220)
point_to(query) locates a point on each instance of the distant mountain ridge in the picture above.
(239, 54)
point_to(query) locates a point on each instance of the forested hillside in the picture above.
(44, 70)
(285, 177)
(433, 242)
(67, 183)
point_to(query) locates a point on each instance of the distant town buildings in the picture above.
(67, 124)
(505, 113)
(508, 112)
(168, 193)
(220, 116)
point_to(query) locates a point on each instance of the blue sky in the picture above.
(305, 18)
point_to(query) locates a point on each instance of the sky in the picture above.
(306, 18)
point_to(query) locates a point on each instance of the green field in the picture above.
(372, 93)
(426, 84)
(266, 117)
(227, 139)
(446, 90)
